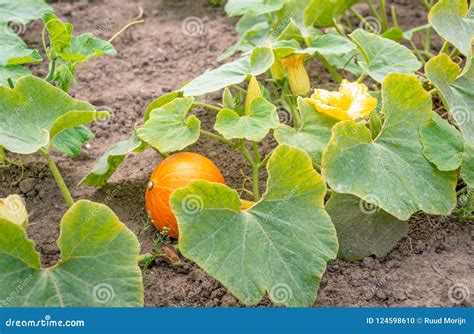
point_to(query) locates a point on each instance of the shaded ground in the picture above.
(155, 58)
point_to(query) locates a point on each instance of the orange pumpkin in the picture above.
(176, 171)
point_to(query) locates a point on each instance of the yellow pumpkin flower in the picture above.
(351, 102)
(253, 91)
(297, 74)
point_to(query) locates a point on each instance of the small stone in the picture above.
(27, 185)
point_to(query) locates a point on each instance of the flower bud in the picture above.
(277, 70)
(297, 74)
(253, 91)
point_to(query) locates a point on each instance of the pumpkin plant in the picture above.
(37, 117)
(357, 160)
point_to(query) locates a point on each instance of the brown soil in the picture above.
(155, 58)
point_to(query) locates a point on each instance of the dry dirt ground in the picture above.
(157, 57)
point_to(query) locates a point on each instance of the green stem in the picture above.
(265, 160)
(239, 88)
(294, 113)
(383, 9)
(417, 51)
(255, 180)
(393, 11)
(445, 47)
(362, 77)
(208, 106)
(255, 172)
(256, 153)
(329, 67)
(428, 40)
(10, 83)
(52, 69)
(57, 176)
(123, 29)
(246, 154)
(374, 11)
(217, 137)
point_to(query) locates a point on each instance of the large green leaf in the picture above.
(338, 50)
(391, 170)
(34, 112)
(15, 52)
(98, 265)
(382, 56)
(456, 91)
(443, 145)
(454, 21)
(252, 7)
(313, 135)
(111, 159)
(280, 245)
(232, 73)
(323, 12)
(254, 127)
(168, 129)
(86, 46)
(22, 11)
(159, 102)
(363, 229)
(12, 72)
